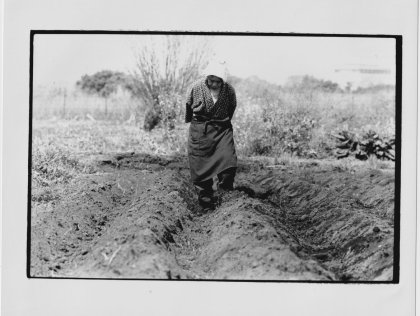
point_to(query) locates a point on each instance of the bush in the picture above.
(167, 113)
(309, 83)
(273, 130)
(166, 66)
(152, 118)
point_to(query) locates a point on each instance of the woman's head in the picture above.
(217, 70)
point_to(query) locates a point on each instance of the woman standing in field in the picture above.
(210, 105)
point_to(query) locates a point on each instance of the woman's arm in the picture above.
(188, 109)
(232, 102)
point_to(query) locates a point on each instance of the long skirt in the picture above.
(211, 149)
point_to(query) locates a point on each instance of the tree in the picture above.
(102, 84)
(310, 83)
(165, 67)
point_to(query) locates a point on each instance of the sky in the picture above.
(61, 60)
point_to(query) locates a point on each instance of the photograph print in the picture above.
(214, 156)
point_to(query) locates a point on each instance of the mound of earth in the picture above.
(137, 219)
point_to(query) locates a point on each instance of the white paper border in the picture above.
(80, 297)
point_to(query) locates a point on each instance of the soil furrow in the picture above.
(136, 219)
(330, 224)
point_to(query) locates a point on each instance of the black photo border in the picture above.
(398, 114)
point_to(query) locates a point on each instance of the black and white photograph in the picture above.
(209, 158)
(214, 156)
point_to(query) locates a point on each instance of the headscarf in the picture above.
(217, 69)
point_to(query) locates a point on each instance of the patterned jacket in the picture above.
(199, 101)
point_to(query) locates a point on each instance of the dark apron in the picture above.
(211, 148)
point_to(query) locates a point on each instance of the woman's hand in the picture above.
(198, 108)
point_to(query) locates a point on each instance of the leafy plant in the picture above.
(370, 144)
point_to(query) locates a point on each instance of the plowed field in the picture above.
(137, 218)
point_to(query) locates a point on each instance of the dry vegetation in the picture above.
(269, 122)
